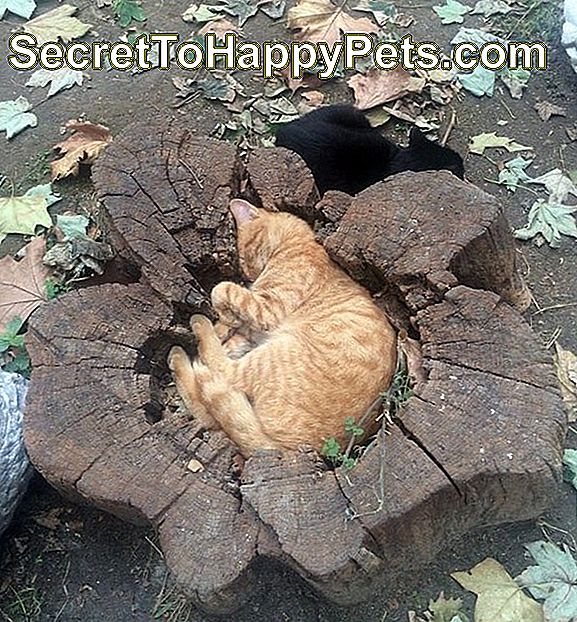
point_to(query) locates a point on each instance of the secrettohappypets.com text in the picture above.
(271, 56)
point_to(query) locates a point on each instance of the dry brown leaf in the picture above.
(84, 146)
(566, 366)
(220, 27)
(57, 24)
(22, 283)
(379, 87)
(321, 20)
(310, 101)
(546, 110)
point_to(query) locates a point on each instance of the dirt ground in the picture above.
(63, 562)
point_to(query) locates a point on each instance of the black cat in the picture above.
(345, 153)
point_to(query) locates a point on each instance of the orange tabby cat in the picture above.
(322, 350)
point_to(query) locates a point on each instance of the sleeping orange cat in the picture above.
(311, 348)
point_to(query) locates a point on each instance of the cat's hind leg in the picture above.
(233, 411)
(185, 378)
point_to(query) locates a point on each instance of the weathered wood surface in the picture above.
(480, 441)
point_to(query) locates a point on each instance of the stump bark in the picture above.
(478, 443)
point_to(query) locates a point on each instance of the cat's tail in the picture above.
(232, 410)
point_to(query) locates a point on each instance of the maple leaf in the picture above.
(59, 79)
(321, 20)
(128, 10)
(485, 140)
(499, 598)
(379, 87)
(382, 10)
(22, 283)
(515, 80)
(14, 116)
(491, 7)
(553, 579)
(480, 81)
(566, 367)
(23, 214)
(201, 13)
(242, 9)
(85, 145)
(452, 12)
(57, 24)
(557, 184)
(550, 220)
(546, 110)
(514, 173)
(22, 8)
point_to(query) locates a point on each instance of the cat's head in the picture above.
(261, 234)
(425, 155)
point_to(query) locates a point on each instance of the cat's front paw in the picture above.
(221, 303)
(176, 358)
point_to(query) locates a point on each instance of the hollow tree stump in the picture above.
(479, 443)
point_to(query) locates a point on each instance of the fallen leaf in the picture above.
(487, 140)
(77, 255)
(310, 101)
(553, 580)
(549, 220)
(72, 226)
(201, 13)
(22, 8)
(24, 213)
(452, 12)
(570, 466)
(476, 36)
(566, 366)
(382, 10)
(241, 9)
(84, 146)
(513, 173)
(377, 116)
(491, 7)
(220, 27)
(57, 24)
(321, 20)
(59, 79)
(14, 116)
(546, 110)
(480, 81)
(219, 85)
(447, 609)
(515, 80)
(22, 283)
(499, 598)
(273, 8)
(50, 519)
(379, 87)
(557, 184)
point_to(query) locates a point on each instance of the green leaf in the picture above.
(452, 12)
(553, 579)
(514, 173)
(570, 467)
(486, 140)
(331, 448)
(13, 326)
(128, 10)
(550, 220)
(242, 9)
(480, 81)
(14, 116)
(22, 8)
(19, 364)
(201, 14)
(72, 226)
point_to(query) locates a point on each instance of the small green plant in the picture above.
(55, 288)
(333, 451)
(128, 10)
(13, 355)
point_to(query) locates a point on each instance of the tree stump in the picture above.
(478, 443)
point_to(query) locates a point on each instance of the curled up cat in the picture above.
(309, 347)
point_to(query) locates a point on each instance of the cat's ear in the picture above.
(243, 211)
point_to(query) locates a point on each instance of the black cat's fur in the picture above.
(345, 153)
